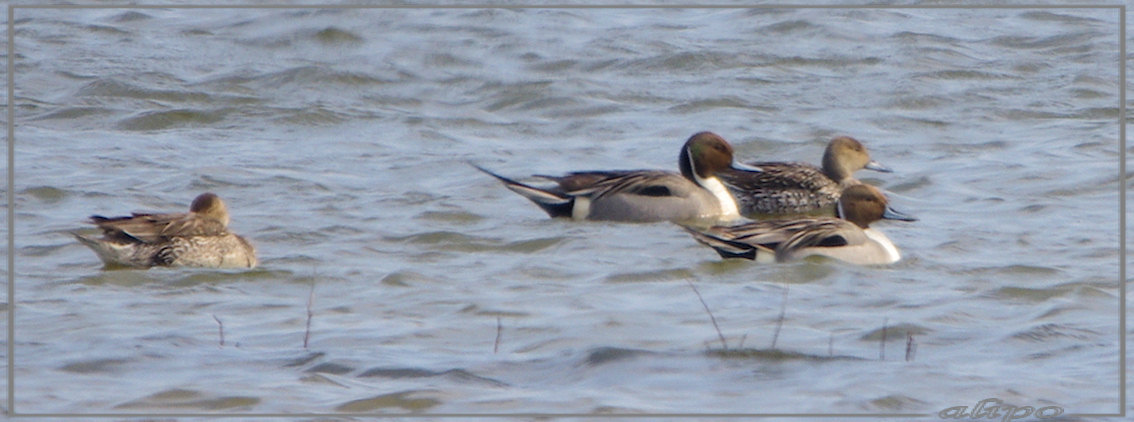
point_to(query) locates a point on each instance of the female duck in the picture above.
(849, 239)
(644, 195)
(199, 238)
(801, 188)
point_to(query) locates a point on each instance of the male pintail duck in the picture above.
(198, 238)
(801, 188)
(849, 239)
(644, 195)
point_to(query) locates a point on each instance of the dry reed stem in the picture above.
(499, 331)
(882, 343)
(310, 314)
(911, 347)
(712, 318)
(220, 329)
(780, 319)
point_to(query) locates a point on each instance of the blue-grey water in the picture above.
(340, 140)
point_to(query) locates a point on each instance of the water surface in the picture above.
(339, 139)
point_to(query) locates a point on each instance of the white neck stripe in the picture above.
(724, 197)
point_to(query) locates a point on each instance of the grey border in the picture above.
(1122, 210)
(11, 408)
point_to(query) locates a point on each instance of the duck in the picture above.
(849, 238)
(198, 238)
(696, 193)
(795, 188)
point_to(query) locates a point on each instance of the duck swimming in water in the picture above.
(644, 195)
(849, 238)
(198, 238)
(799, 188)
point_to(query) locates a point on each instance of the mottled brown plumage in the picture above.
(198, 238)
(800, 188)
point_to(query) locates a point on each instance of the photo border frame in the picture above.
(11, 408)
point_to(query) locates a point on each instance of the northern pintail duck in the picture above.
(198, 238)
(801, 188)
(643, 195)
(849, 239)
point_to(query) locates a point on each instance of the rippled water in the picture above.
(339, 139)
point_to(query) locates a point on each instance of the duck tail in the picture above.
(555, 204)
(725, 248)
(86, 241)
(105, 251)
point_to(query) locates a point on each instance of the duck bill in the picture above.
(892, 214)
(874, 165)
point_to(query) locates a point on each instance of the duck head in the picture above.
(863, 204)
(209, 205)
(846, 155)
(703, 155)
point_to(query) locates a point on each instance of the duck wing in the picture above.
(821, 233)
(150, 228)
(750, 239)
(597, 184)
(781, 188)
(777, 176)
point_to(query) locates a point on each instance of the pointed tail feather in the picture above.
(86, 241)
(106, 252)
(553, 203)
(724, 247)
